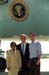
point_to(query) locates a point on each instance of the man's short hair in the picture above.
(32, 34)
(23, 35)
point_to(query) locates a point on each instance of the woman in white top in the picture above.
(13, 60)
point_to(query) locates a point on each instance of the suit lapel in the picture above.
(20, 49)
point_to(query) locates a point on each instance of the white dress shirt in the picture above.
(23, 49)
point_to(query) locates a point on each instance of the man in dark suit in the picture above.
(23, 47)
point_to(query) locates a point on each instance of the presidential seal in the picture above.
(19, 10)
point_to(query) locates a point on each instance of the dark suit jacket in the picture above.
(25, 57)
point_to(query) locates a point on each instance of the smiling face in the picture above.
(13, 45)
(23, 38)
(32, 37)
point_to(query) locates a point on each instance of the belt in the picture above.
(36, 58)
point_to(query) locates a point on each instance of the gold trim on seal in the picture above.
(26, 12)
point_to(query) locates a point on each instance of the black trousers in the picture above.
(24, 71)
(34, 68)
